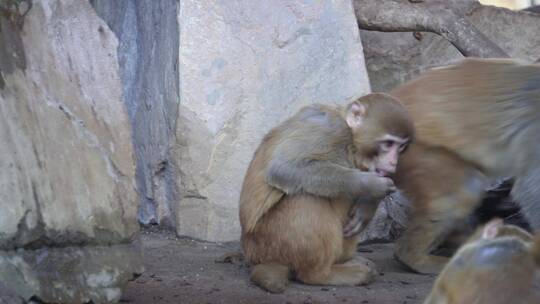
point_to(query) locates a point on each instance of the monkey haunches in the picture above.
(313, 184)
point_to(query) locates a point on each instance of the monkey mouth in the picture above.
(381, 172)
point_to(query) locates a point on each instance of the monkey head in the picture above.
(382, 129)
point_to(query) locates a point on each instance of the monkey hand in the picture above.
(355, 222)
(374, 187)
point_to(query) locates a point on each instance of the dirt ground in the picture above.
(185, 271)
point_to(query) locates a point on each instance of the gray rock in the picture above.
(389, 221)
(8, 295)
(148, 35)
(70, 274)
(393, 58)
(66, 175)
(244, 67)
(66, 160)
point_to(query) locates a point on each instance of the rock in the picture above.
(244, 67)
(533, 9)
(66, 159)
(67, 167)
(8, 295)
(71, 274)
(393, 58)
(148, 35)
(389, 221)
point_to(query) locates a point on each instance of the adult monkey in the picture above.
(475, 120)
(305, 178)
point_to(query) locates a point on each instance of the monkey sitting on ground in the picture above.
(500, 264)
(475, 121)
(306, 177)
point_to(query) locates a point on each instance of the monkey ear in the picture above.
(492, 228)
(355, 115)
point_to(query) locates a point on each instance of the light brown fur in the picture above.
(476, 120)
(290, 231)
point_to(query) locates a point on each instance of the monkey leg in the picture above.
(526, 192)
(349, 249)
(419, 240)
(351, 273)
(429, 228)
(443, 190)
(271, 277)
(305, 233)
(350, 246)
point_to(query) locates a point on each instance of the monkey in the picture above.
(297, 203)
(476, 121)
(499, 264)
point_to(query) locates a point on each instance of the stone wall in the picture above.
(244, 67)
(67, 197)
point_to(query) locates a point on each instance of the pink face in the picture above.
(389, 149)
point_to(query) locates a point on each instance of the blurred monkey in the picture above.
(476, 120)
(497, 265)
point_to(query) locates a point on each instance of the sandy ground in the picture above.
(185, 271)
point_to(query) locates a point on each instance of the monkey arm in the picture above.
(324, 178)
(312, 156)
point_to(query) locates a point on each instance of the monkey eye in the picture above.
(386, 145)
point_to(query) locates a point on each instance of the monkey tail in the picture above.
(271, 277)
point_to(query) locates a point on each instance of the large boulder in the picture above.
(393, 58)
(244, 67)
(67, 197)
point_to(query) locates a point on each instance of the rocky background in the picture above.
(205, 80)
(127, 112)
(244, 67)
(148, 46)
(393, 58)
(67, 198)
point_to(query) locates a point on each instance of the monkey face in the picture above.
(382, 129)
(385, 156)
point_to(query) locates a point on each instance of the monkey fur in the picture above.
(301, 184)
(499, 264)
(475, 121)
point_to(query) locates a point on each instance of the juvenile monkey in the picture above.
(302, 182)
(497, 265)
(475, 120)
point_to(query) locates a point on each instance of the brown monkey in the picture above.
(475, 120)
(302, 182)
(500, 264)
